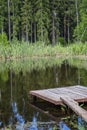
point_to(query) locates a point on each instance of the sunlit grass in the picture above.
(23, 50)
(77, 49)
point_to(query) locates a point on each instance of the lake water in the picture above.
(17, 78)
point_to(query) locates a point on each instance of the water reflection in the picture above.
(19, 118)
(63, 126)
(17, 78)
(19, 122)
(1, 124)
(81, 124)
(34, 125)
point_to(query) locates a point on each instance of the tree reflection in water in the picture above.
(81, 124)
(20, 124)
(63, 126)
(18, 117)
(18, 120)
(34, 125)
(1, 124)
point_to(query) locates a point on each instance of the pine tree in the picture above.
(2, 17)
(41, 16)
(26, 19)
(15, 18)
(69, 19)
(82, 25)
(43, 20)
(3, 21)
(54, 20)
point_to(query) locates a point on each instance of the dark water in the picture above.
(17, 78)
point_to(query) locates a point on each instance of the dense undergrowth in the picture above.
(23, 50)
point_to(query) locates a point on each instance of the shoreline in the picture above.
(65, 56)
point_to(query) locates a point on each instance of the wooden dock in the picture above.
(68, 95)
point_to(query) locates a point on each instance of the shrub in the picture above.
(61, 41)
(3, 39)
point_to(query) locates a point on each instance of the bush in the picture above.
(3, 39)
(61, 40)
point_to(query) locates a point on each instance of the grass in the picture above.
(77, 49)
(24, 50)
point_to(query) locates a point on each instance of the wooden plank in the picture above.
(78, 97)
(78, 86)
(80, 90)
(78, 93)
(48, 96)
(58, 96)
(68, 92)
(75, 107)
(75, 92)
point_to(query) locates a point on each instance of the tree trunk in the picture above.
(2, 34)
(65, 29)
(41, 27)
(13, 23)
(0, 97)
(53, 24)
(68, 32)
(22, 35)
(53, 31)
(31, 32)
(27, 38)
(11, 77)
(9, 22)
(77, 17)
(35, 32)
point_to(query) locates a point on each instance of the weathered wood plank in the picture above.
(58, 96)
(48, 96)
(75, 107)
(75, 92)
(68, 93)
(53, 95)
(80, 88)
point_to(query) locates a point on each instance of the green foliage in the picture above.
(81, 105)
(55, 128)
(61, 40)
(42, 19)
(81, 29)
(3, 39)
(15, 17)
(63, 108)
(26, 14)
(23, 49)
(3, 12)
(38, 20)
(77, 49)
(4, 76)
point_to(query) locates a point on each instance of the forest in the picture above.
(63, 21)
